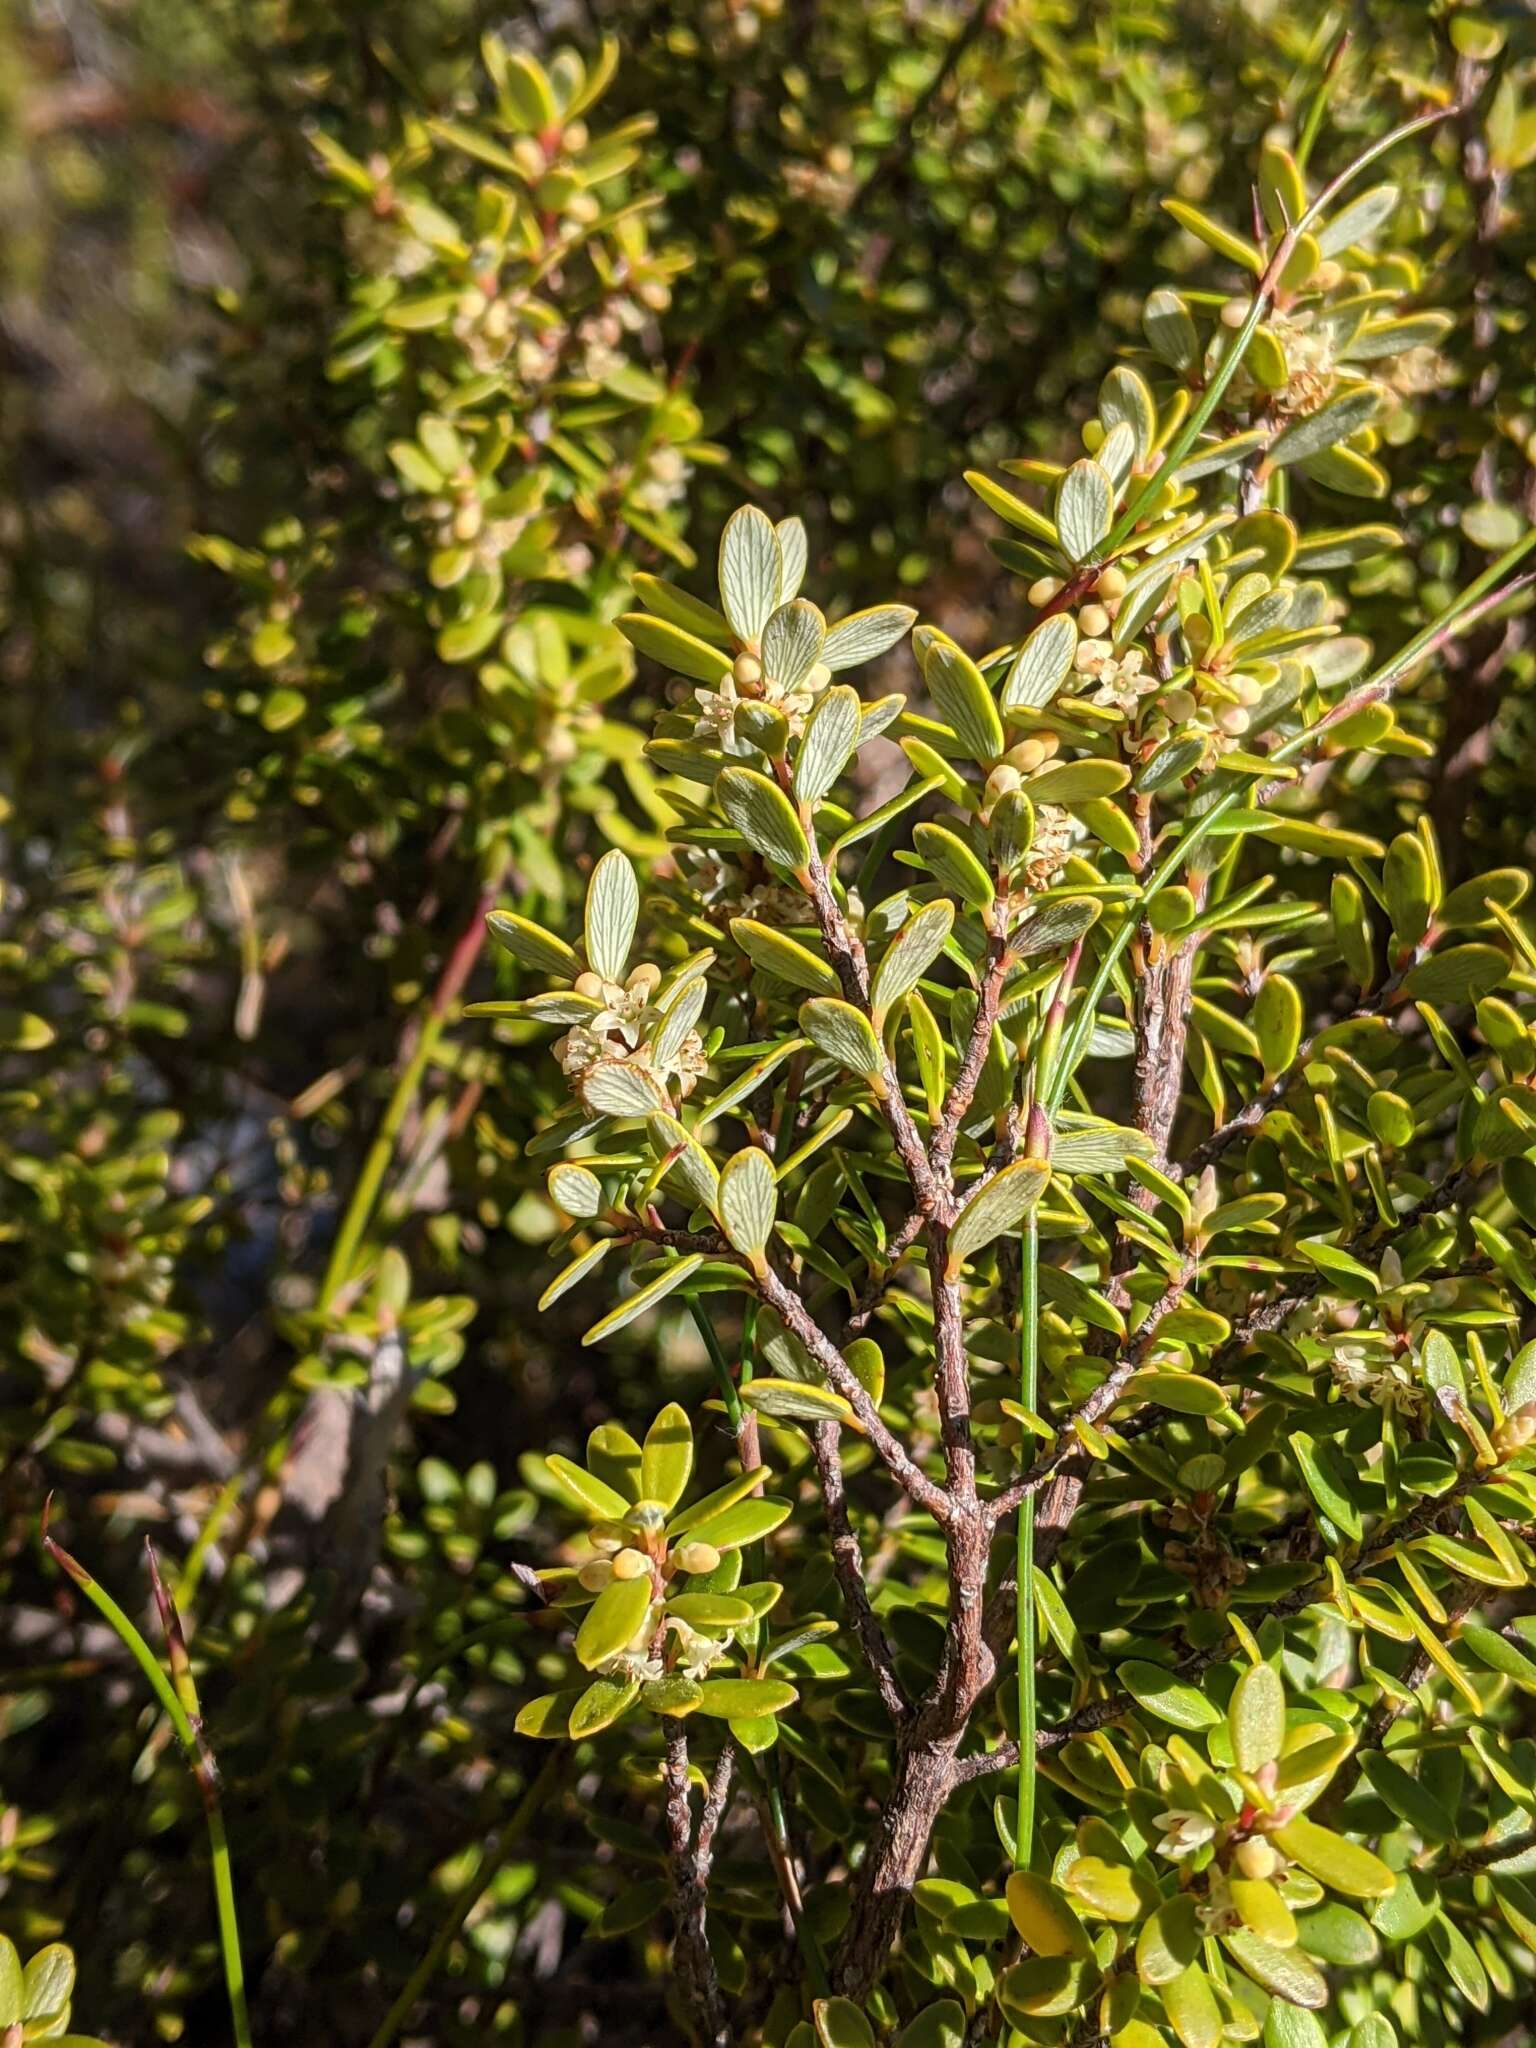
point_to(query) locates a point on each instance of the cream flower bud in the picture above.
(746, 670)
(1043, 590)
(1257, 1858)
(631, 1564)
(696, 1557)
(1093, 621)
(1110, 585)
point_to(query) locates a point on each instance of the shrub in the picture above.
(278, 1210)
(1252, 1424)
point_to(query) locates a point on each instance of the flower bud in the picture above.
(1043, 590)
(631, 1564)
(747, 670)
(695, 1557)
(1110, 585)
(1093, 621)
(1026, 757)
(589, 984)
(1258, 1858)
(819, 677)
(1002, 779)
(1235, 722)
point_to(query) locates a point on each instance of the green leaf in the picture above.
(1256, 1717)
(621, 1088)
(711, 1610)
(691, 1167)
(794, 552)
(601, 1705)
(1192, 2011)
(1170, 332)
(960, 693)
(1292, 2026)
(796, 1401)
(1332, 423)
(1073, 782)
(1458, 974)
(1001, 1204)
(531, 945)
(841, 2024)
(831, 734)
(1170, 1698)
(729, 1699)
(778, 954)
(1357, 221)
(941, 2025)
(864, 635)
(764, 816)
(792, 642)
(1085, 508)
(645, 1298)
(843, 1034)
(1045, 1917)
(548, 1718)
(1108, 1888)
(953, 865)
(585, 1492)
(751, 571)
(12, 1992)
(679, 609)
(1408, 1798)
(614, 1457)
(48, 1983)
(1284, 1972)
(614, 1619)
(1169, 1942)
(1012, 509)
(1084, 1144)
(749, 1521)
(1236, 248)
(575, 1191)
(1338, 1934)
(667, 1457)
(612, 912)
(682, 652)
(749, 1201)
(1492, 1649)
(715, 1504)
(1328, 1475)
(909, 956)
(1341, 1865)
(1041, 665)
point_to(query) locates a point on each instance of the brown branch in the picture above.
(692, 1963)
(848, 1565)
(962, 1090)
(799, 1321)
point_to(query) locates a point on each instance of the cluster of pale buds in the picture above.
(623, 1032)
(1363, 1376)
(745, 683)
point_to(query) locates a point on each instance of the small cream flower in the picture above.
(1122, 679)
(699, 1653)
(1184, 1831)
